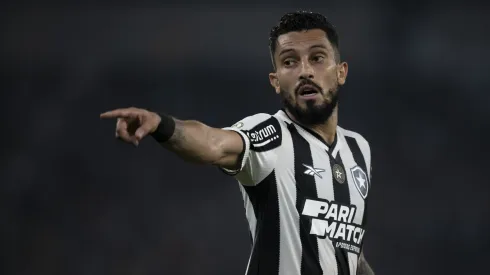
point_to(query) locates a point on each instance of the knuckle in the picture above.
(150, 125)
(149, 116)
(152, 116)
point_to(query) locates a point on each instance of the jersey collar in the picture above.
(333, 148)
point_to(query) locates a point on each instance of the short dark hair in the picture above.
(302, 21)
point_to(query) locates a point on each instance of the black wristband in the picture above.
(165, 129)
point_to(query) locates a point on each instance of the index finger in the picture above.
(125, 113)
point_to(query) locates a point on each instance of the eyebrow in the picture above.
(312, 47)
(319, 46)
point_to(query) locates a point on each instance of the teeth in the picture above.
(309, 92)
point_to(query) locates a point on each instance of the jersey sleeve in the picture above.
(262, 136)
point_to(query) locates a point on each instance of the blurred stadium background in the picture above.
(75, 201)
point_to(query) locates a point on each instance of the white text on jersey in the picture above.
(267, 134)
(335, 221)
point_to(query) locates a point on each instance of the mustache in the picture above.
(307, 81)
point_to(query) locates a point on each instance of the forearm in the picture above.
(196, 142)
(363, 267)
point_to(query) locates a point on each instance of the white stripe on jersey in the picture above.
(249, 212)
(324, 189)
(251, 218)
(363, 145)
(289, 259)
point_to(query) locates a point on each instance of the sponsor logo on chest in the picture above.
(335, 221)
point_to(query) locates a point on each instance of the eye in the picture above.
(318, 58)
(289, 62)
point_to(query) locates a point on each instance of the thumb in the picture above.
(142, 131)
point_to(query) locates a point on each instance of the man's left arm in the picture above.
(363, 268)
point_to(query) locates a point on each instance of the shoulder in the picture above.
(262, 129)
(361, 142)
(360, 139)
(254, 121)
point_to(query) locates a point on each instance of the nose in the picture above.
(306, 70)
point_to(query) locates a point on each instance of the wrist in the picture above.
(165, 128)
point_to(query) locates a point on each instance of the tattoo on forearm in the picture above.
(190, 141)
(177, 143)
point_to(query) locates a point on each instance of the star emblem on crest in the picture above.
(360, 180)
(339, 173)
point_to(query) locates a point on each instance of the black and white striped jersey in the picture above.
(304, 200)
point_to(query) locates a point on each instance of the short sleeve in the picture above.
(262, 137)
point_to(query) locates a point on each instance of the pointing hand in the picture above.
(133, 124)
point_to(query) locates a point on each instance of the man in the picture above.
(304, 180)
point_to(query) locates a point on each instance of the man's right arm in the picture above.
(196, 142)
(191, 140)
(248, 150)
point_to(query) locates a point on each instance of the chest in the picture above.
(327, 178)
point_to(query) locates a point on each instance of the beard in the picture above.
(312, 114)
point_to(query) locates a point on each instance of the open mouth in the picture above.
(308, 91)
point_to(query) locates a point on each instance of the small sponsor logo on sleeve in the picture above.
(265, 136)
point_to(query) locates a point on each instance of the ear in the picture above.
(342, 70)
(274, 82)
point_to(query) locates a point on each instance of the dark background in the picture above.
(73, 200)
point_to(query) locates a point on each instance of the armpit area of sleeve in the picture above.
(243, 156)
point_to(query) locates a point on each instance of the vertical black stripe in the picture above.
(340, 190)
(305, 188)
(341, 195)
(361, 161)
(265, 201)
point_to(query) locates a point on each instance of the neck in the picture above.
(326, 130)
